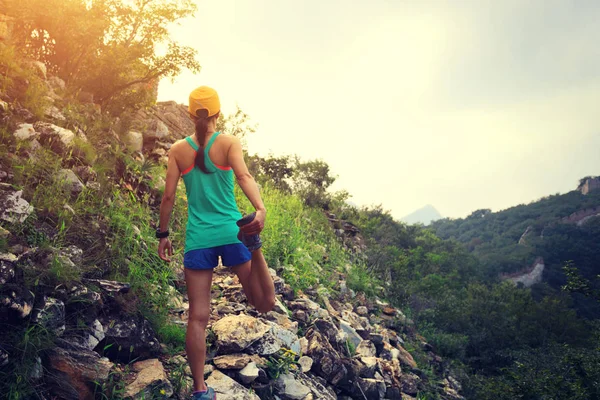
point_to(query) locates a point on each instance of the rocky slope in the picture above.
(313, 345)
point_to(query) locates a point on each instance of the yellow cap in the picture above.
(204, 98)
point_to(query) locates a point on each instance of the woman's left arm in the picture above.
(166, 206)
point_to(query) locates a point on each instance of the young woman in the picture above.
(208, 161)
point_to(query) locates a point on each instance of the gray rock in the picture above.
(352, 335)
(366, 349)
(54, 113)
(228, 389)
(73, 369)
(236, 332)
(25, 132)
(51, 315)
(249, 373)
(68, 177)
(134, 141)
(362, 310)
(317, 385)
(370, 367)
(371, 388)
(56, 83)
(7, 272)
(37, 372)
(110, 287)
(16, 302)
(128, 337)
(54, 137)
(274, 340)
(13, 208)
(305, 363)
(410, 384)
(157, 130)
(289, 388)
(151, 381)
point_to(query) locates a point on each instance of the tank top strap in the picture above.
(191, 143)
(211, 141)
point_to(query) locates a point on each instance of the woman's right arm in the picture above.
(235, 157)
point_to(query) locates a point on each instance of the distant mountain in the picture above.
(423, 216)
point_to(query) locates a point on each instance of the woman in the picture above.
(208, 161)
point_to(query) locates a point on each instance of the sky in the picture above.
(460, 104)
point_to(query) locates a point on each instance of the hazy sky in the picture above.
(459, 104)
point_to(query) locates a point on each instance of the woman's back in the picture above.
(212, 210)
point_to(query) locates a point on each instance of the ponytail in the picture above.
(201, 129)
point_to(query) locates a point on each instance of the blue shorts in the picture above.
(231, 255)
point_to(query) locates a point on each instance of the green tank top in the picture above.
(212, 210)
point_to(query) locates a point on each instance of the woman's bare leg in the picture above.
(257, 282)
(199, 284)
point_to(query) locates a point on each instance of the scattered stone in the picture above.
(228, 389)
(7, 272)
(317, 385)
(371, 388)
(300, 315)
(25, 132)
(15, 302)
(405, 358)
(3, 358)
(157, 131)
(54, 137)
(111, 287)
(274, 340)
(134, 141)
(13, 208)
(54, 113)
(236, 332)
(37, 372)
(56, 83)
(128, 337)
(353, 336)
(73, 369)
(362, 310)
(234, 361)
(289, 388)
(410, 384)
(366, 349)
(51, 315)
(303, 345)
(305, 363)
(68, 177)
(151, 381)
(370, 367)
(249, 373)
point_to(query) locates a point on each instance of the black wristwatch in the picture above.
(161, 235)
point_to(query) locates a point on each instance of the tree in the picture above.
(105, 47)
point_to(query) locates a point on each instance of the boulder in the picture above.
(68, 178)
(74, 370)
(370, 367)
(151, 381)
(127, 337)
(236, 332)
(289, 388)
(13, 208)
(228, 389)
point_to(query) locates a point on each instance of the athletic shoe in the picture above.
(252, 242)
(209, 394)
